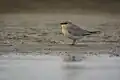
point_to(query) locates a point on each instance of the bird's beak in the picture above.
(61, 23)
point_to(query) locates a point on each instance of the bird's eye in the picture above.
(66, 23)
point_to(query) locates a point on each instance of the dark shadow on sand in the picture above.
(78, 45)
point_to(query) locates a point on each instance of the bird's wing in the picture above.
(77, 31)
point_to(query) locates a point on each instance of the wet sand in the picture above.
(26, 33)
(32, 47)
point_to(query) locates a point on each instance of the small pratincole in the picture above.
(74, 32)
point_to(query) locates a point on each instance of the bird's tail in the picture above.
(95, 32)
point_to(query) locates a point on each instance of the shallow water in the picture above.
(13, 67)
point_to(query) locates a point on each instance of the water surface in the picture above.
(29, 67)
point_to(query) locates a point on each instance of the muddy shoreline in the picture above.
(25, 33)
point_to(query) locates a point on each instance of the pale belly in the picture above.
(67, 34)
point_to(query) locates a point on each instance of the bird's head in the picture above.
(65, 23)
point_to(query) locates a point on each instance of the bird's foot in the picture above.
(71, 44)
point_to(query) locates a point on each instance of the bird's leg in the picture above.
(74, 42)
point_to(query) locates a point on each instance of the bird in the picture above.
(74, 32)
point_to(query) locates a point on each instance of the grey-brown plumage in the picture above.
(74, 32)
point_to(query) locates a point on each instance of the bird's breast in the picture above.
(65, 32)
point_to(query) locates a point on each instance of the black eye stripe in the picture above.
(64, 23)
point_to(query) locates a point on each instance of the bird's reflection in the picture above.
(72, 71)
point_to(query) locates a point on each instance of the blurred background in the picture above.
(59, 6)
